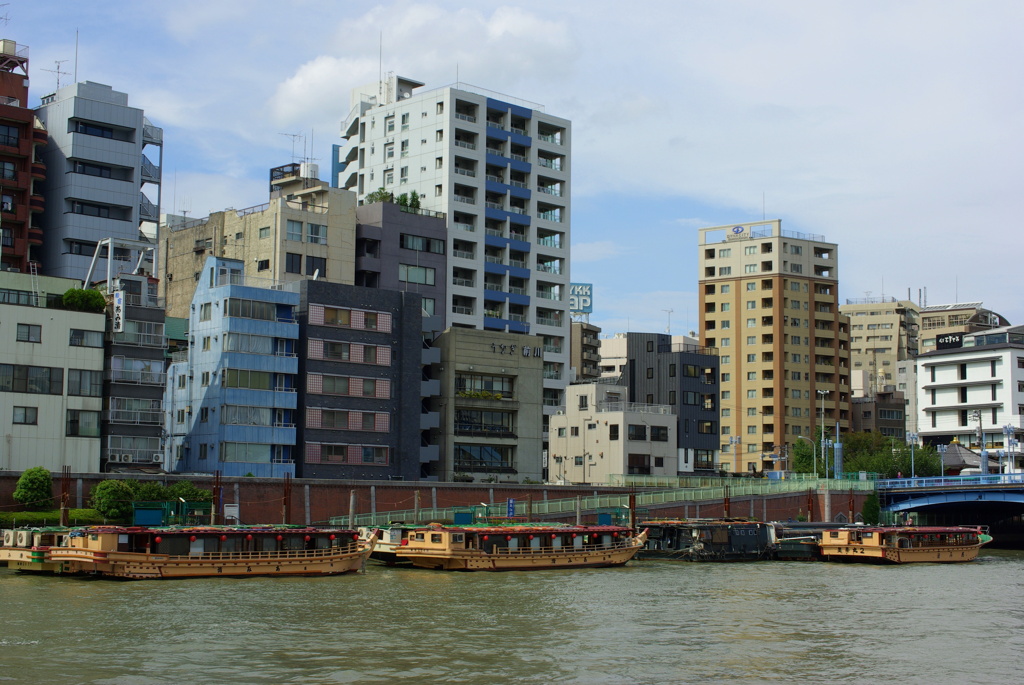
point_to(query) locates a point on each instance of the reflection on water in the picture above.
(650, 622)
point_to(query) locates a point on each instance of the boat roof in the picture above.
(170, 530)
(527, 528)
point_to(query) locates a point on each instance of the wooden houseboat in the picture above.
(519, 547)
(138, 552)
(389, 540)
(903, 544)
(709, 540)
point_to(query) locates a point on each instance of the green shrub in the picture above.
(79, 300)
(34, 490)
(113, 498)
(33, 519)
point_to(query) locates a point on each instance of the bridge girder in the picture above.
(937, 498)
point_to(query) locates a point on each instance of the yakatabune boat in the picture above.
(188, 552)
(709, 540)
(519, 547)
(903, 544)
(389, 541)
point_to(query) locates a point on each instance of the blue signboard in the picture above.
(511, 508)
(581, 298)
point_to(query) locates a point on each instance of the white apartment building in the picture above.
(498, 168)
(978, 384)
(601, 434)
(51, 377)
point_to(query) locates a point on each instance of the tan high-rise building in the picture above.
(883, 331)
(306, 230)
(769, 303)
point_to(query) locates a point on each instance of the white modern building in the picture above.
(51, 377)
(99, 182)
(601, 434)
(973, 392)
(498, 169)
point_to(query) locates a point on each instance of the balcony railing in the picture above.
(462, 254)
(465, 200)
(137, 377)
(495, 151)
(465, 117)
(550, 190)
(496, 179)
(465, 282)
(494, 205)
(494, 259)
(549, 321)
(465, 172)
(550, 241)
(465, 144)
(550, 268)
(134, 417)
(550, 163)
(457, 309)
(464, 227)
(555, 140)
(141, 339)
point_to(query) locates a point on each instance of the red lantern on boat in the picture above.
(553, 536)
(223, 538)
(306, 538)
(355, 536)
(158, 539)
(280, 537)
(331, 536)
(487, 537)
(531, 537)
(615, 535)
(192, 538)
(249, 536)
(508, 537)
(406, 542)
(574, 535)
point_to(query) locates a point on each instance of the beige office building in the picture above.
(883, 331)
(942, 320)
(584, 350)
(307, 229)
(769, 303)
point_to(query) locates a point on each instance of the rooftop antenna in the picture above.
(57, 70)
(76, 55)
(5, 18)
(294, 136)
(668, 329)
(763, 215)
(186, 206)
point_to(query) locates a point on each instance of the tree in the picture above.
(414, 200)
(188, 491)
(872, 510)
(149, 491)
(35, 489)
(113, 498)
(79, 300)
(379, 195)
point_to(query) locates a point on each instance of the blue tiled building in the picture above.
(231, 399)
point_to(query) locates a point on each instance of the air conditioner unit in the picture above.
(127, 458)
(113, 457)
(157, 457)
(9, 538)
(559, 413)
(23, 538)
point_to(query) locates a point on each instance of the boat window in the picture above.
(419, 537)
(435, 537)
(868, 536)
(833, 534)
(457, 537)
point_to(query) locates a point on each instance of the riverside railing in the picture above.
(726, 487)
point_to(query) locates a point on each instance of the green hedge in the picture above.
(33, 519)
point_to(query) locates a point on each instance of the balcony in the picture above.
(549, 321)
(465, 311)
(135, 377)
(133, 417)
(464, 172)
(464, 282)
(465, 117)
(464, 199)
(555, 164)
(465, 144)
(464, 227)
(553, 139)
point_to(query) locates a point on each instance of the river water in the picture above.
(648, 622)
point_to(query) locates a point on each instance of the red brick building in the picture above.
(21, 137)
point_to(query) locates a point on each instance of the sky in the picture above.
(891, 128)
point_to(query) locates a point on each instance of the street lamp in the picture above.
(912, 441)
(814, 452)
(1009, 430)
(976, 415)
(824, 454)
(942, 459)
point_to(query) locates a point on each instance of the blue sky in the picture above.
(891, 128)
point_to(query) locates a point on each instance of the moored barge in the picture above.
(709, 540)
(519, 547)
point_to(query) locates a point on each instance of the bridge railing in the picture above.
(950, 481)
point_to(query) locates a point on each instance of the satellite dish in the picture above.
(406, 94)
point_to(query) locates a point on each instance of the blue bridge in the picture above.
(996, 500)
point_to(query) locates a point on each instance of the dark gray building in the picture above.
(360, 366)
(685, 377)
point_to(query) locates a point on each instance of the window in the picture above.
(706, 427)
(415, 274)
(337, 351)
(389, 124)
(671, 396)
(613, 431)
(263, 265)
(650, 372)
(82, 338)
(95, 130)
(204, 414)
(30, 333)
(750, 268)
(750, 249)
(637, 432)
(725, 252)
(8, 135)
(293, 263)
(28, 416)
(724, 270)
(41, 380)
(84, 424)
(92, 169)
(439, 162)
(671, 370)
(440, 108)
(316, 234)
(561, 432)
(659, 433)
(265, 232)
(421, 244)
(578, 461)
(294, 231)
(205, 311)
(751, 286)
(316, 264)
(724, 290)
(89, 209)
(85, 383)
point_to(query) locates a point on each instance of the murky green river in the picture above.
(649, 622)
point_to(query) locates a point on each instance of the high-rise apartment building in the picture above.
(769, 303)
(883, 331)
(22, 171)
(498, 168)
(100, 183)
